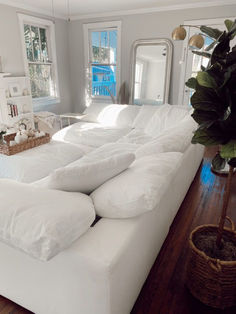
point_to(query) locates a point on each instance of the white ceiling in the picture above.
(90, 8)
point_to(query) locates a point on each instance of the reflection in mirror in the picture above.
(151, 65)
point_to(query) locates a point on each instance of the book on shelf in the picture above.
(12, 110)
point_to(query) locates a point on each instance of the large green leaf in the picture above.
(211, 32)
(206, 138)
(205, 79)
(218, 162)
(191, 83)
(228, 150)
(203, 116)
(207, 99)
(229, 24)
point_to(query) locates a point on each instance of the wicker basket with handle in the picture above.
(8, 150)
(211, 280)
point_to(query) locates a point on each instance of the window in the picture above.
(38, 41)
(191, 63)
(102, 52)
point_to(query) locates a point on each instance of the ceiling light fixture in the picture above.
(196, 41)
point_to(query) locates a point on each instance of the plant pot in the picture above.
(210, 280)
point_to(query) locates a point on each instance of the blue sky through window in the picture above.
(103, 62)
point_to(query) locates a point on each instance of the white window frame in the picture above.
(184, 61)
(27, 19)
(87, 28)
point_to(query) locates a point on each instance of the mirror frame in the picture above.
(148, 42)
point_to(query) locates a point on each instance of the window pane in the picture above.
(95, 39)
(103, 78)
(113, 46)
(44, 47)
(28, 42)
(35, 41)
(105, 47)
(41, 80)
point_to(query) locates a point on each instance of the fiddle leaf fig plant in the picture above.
(214, 104)
(214, 99)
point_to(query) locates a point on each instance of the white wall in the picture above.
(11, 52)
(151, 25)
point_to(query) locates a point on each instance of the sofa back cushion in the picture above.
(165, 117)
(111, 115)
(145, 114)
(175, 139)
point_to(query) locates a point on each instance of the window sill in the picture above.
(40, 103)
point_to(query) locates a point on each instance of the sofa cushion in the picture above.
(42, 222)
(138, 189)
(86, 175)
(176, 139)
(145, 114)
(111, 115)
(165, 117)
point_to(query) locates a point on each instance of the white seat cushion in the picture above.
(111, 115)
(138, 189)
(85, 177)
(42, 222)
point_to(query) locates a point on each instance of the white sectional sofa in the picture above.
(102, 271)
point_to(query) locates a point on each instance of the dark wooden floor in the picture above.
(164, 291)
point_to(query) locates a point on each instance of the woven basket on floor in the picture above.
(211, 280)
(8, 150)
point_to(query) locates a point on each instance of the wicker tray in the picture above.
(8, 150)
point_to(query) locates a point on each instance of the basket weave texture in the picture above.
(211, 280)
(8, 150)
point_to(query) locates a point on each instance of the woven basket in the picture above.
(8, 150)
(211, 280)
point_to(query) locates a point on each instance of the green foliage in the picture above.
(218, 162)
(228, 150)
(214, 99)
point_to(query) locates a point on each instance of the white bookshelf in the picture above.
(15, 100)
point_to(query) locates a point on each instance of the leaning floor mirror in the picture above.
(150, 71)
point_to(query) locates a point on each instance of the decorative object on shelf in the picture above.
(14, 89)
(196, 41)
(25, 92)
(211, 270)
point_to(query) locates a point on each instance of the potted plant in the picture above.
(211, 269)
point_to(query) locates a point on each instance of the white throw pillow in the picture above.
(144, 116)
(85, 177)
(138, 189)
(42, 222)
(176, 139)
(112, 115)
(166, 116)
